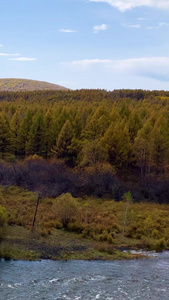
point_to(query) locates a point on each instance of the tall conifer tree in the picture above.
(5, 136)
(15, 125)
(23, 133)
(36, 141)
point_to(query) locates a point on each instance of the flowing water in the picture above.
(105, 280)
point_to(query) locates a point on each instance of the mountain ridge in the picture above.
(17, 84)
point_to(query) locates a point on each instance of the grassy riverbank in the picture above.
(95, 228)
(21, 244)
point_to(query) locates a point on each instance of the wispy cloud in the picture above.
(124, 5)
(163, 24)
(159, 25)
(1, 45)
(67, 30)
(136, 26)
(140, 19)
(16, 56)
(23, 59)
(64, 83)
(152, 67)
(152, 27)
(98, 28)
(88, 62)
(7, 54)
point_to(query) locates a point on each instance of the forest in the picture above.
(86, 142)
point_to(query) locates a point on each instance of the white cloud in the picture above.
(124, 5)
(152, 67)
(136, 26)
(7, 54)
(88, 62)
(4, 54)
(1, 45)
(98, 28)
(23, 59)
(67, 30)
(140, 19)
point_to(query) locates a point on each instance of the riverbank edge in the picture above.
(19, 243)
(28, 255)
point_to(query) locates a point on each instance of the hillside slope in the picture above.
(14, 85)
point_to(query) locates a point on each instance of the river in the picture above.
(105, 280)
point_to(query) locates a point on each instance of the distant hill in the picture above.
(14, 85)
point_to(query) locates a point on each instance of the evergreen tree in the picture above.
(97, 125)
(64, 141)
(59, 120)
(49, 133)
(36, 140)
(160, 135)
(143, 148)
(23, 133)
(117, 143)
(5, 137)
(134, 125)
(93, 152)
(78, 125)
(124, 110)
(15, 125)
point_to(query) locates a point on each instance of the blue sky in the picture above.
(104, 44)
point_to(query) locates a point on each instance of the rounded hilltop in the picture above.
(16, 85)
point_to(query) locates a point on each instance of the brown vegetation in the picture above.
(100, 221)
(16, 85)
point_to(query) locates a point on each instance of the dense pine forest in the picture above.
(86, 142)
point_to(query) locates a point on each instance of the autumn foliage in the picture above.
(87, 142)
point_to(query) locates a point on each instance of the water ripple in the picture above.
(86, 280)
